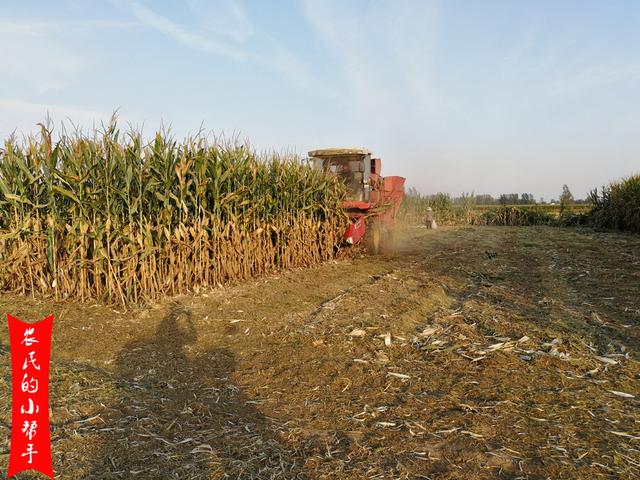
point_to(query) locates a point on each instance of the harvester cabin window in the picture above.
(351, 173)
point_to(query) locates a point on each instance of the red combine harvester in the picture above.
(372, 200)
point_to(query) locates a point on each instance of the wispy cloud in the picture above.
(384, 56)
(536, 78)
(291, 67)
(42, 58)
(392, 61)
(22, 116)
(183, 35)
(35, 61)
(57, 110)
(559, 84)
(37, 53)
(55, 26)
(223, 17)
(265, 51)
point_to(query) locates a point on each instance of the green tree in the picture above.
(566, 197)
(509, 199)
(527, 199)
(485, 199)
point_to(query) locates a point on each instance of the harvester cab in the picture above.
(351, 165)
(372, 201)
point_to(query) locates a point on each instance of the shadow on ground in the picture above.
(179, 415)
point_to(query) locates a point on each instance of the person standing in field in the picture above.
(430, 219)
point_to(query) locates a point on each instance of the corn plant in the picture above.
(107, 216)
(618, 205)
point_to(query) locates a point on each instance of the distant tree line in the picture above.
(614, 206)
(468, 199)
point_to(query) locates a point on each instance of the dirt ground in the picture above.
(468, 353)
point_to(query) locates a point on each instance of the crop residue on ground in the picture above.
(468, 353)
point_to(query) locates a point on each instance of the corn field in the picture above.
(513, 216)
(414, 209)
(109, 217)
(618, 205)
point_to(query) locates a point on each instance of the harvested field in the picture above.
(470, 352)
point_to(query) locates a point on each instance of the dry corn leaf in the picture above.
(622, 394)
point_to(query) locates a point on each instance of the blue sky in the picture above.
(484, 96)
